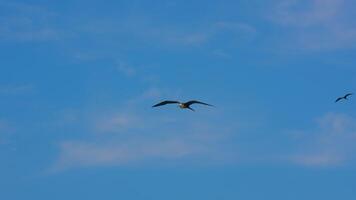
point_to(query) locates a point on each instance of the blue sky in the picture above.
(78, 79)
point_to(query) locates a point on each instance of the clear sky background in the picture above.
(78, 79)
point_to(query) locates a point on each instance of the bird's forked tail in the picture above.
(190, 108)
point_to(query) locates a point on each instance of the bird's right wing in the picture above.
(338, 99)
(165, 102)
(198, 102)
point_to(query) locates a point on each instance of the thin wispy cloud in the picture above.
(126, 69)
(2, 125)
(127, 136)
(156, 32)
(236, 27)
(116, 123)
(141, 146)
(24, 8)
(16, 89)
(221, 53)
(133, 151)
(204, 34)
(307, 13)
(316, 25)
(27, 22)
(6, 129)
(331, 143)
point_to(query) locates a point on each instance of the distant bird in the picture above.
(344, 97)
(182, 105)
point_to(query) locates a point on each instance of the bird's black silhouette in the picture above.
(182, 105)
(344, 97)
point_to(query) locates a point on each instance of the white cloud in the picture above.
(16, 89)
(221, 53)
(152, 93)
(157, 33)
(317, 24)
(125, 152)
(318, 159)
(2, 140)
(331, 143)
(27, 22)
(237, 27)
(199, 36)
(126, 69)
(24, 8)
(5, 130)
(138, 138)
(116, 123)
(303, 13)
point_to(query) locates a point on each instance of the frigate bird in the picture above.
(344, 97)
(181, 104)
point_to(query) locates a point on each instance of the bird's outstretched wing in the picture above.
(198, 102)
(338, 99)
(349, 94)
(165, 102)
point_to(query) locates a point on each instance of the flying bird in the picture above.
(182, 105)
(344, 97)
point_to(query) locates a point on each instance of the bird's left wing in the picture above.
(198, 102)
(349, 94)
(165, 102)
